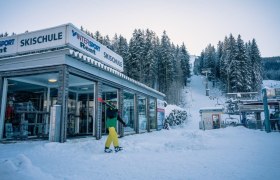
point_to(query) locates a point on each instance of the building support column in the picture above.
(3, 100)
(156, 106)
(266, 111)
(148, 115)
(136, 114)
(98, 111)
(120, 107)
(63, 83)
(1, 90)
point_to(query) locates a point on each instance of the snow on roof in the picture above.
(100, 65)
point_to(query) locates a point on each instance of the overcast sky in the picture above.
(194, 22)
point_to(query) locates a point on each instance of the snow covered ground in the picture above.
(180, 153)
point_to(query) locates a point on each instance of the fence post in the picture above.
(266, 111)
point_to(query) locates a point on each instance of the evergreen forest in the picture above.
(155, 61)
(235, 64)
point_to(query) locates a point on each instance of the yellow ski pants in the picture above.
(113, 136)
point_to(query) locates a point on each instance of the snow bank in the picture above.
(170, 107)
(22, 167)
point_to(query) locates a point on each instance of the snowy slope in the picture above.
(192, 59)
(180, 153)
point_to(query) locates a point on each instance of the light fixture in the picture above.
(52, 80)
(84, 88)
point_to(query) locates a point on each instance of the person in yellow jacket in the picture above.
(111, 124)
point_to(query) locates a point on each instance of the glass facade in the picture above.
(129, 111)
(28, 103)
(28, 100)
(142, 113)
(152, 113)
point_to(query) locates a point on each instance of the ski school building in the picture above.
(51, 81)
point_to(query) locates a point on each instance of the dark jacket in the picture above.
(112, 117)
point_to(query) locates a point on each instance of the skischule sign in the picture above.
(64, 35)
(41, 39)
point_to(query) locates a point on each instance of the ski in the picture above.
(106, 103)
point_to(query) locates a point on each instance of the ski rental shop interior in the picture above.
(63, 67)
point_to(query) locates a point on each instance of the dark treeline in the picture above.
(151, 60)
(235, 64)
(6, 34)
(271, 68)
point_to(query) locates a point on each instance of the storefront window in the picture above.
(160, 113)
(142, 113)
(27, 105)
(129, 111)
(152, 113)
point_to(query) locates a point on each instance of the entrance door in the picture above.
(80, 106)
(109, 94)
(80, 113)
(216, 121)
(85, 102)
